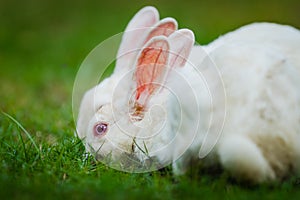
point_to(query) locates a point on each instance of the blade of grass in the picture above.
(23, 144)
(146, 149)
(24, 130)
(142, 150)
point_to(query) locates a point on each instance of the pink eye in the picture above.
(100, 129)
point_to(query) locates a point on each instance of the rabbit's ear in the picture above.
(151, 68)
(181, 43)
(164, 27)
(134, 35)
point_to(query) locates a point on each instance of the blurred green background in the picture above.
(42, 44)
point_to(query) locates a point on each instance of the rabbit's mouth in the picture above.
(136, 159)
(139, 163)
(131, 162)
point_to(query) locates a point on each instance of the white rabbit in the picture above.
(113, 118)
(235, 101)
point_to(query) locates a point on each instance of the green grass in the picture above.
(42, 44)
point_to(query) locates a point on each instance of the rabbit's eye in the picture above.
(100, 129)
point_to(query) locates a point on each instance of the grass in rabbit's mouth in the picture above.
(42, 44)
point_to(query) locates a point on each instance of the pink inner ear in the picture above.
(151, 67)
(165, 29)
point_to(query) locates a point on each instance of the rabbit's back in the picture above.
(259, 65)
(283, 37)
(261, 77)
(260, 68)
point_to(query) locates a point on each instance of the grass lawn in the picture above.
(42, 44)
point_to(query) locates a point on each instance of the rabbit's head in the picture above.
(123, 119)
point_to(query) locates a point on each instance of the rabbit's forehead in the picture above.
(105, 88)
(102, 95)
(105, 111)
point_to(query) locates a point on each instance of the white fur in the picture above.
(259, 66)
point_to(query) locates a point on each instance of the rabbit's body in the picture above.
(259, 65)
(236, 99)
